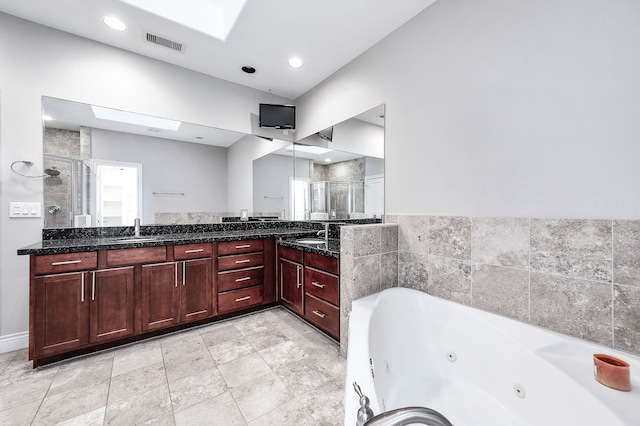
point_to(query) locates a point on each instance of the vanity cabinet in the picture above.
(73, 309)
(309, 285)
(241, 274)
(290, 278)
(178, 291)
(322, 292)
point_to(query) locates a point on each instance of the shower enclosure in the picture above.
(337, 199)
(66, 193)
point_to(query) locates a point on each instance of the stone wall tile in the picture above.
(572, 306)
(413, 233)
(450, 279)
(388, 270)
(500, 290)
(366, 240)
(579, 248)
(626, 322)
(502, 241)
(388, 238)
(450, 236)
(412, 271)
(626, 252)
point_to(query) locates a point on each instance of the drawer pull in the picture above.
(243, 246)
(82, 288)
(194, 251)
(240, 299)
(320, 314)
(243, 279)
(66, 262)
(317, 284)
(243, 261)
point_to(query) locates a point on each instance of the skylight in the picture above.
(215, 18)
(133, 118)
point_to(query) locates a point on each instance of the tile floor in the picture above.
(267, 368)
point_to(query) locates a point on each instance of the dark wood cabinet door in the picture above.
(111, 304)
(196, 284)
(291, 294)
(61, 313)
(160, 296)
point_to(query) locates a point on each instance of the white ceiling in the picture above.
(325, 34)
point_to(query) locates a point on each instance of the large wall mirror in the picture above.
(104, 167)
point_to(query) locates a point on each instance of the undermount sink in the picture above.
(311, 241)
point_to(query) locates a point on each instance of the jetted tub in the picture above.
(407, 348)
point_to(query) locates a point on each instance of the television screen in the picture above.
(326, 134)
(277, 116)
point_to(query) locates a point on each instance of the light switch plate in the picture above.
(25, 209)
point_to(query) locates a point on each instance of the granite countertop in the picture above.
(332, 249)
(75, 245)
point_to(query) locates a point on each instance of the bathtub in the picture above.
(407, 348)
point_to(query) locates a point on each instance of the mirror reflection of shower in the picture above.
(66, 183)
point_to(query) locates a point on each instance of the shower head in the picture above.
(53, 172)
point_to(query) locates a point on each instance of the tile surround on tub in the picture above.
(576, 276)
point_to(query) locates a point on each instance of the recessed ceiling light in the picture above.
(248, 69)
(295, 62)
(47, 118)
(114, 23)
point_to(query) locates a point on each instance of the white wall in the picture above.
(37, 61)
(525, 108)
(196, 170)
(358, 136)
(271, 175)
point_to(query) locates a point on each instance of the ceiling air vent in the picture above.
(159, 40)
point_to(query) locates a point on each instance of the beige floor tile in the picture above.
(136, 382)
(244, 369)
(20, 415)
(178, 345)
(23, 392)
(80, 375)
(137, 356)
(291, 413)
(261, 395)
(283, 353)
(92, 418)
(189, 364)
(192, 390)
(218, 411)
(72, 403)
(152, 406)
(267, 368)
(326, 403)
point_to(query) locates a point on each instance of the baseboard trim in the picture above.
(13, 342)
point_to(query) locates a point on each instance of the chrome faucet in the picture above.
(397, 417)
(136, 227)
(409, 416)
(324, 232)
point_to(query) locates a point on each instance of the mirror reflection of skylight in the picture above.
(311, 149)
(133, 118)
(215, 18)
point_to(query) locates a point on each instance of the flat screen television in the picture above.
(326, 134)
(277, 116)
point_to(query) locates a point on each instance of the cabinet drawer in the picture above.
(290, 253)
(326, 263)
(136, 256)
(192, 251)
(322, 314)
(321, 284)
(238, 299)
(236, 247)
(240, 279)
(68, 262)
(240, 261)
